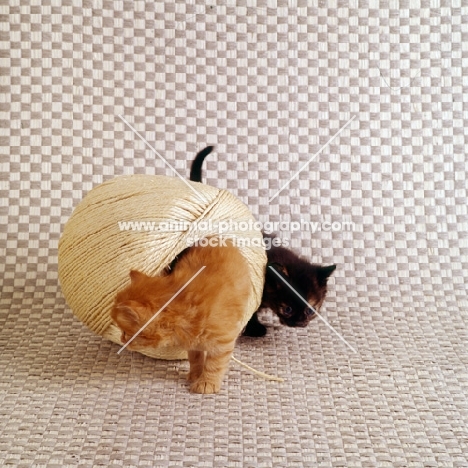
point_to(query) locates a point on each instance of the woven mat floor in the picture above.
(269, 84)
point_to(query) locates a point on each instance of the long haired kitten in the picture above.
(205, 319)
(308, 279)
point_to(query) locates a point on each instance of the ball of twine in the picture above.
(96, 253)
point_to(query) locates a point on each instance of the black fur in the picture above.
(196, 169)
(308, 280)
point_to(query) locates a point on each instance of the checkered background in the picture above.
(269, 84)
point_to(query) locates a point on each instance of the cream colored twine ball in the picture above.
(96, 253)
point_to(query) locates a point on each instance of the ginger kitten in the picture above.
(205, 318)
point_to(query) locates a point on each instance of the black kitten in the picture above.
(284, 266)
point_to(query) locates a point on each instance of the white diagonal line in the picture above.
(308, 305)
(312, 158)
(161, 309)
(164, 160)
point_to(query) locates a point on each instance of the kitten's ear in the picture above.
(136, 275)
(128, 314)
(278, 266)
(325, 272)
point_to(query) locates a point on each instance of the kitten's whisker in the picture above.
(161, 309)
(308, 305)
(312, 158)
(163, 159)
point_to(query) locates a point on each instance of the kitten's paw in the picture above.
(202, 386)
(255, 329)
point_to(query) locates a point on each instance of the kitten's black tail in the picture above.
(196, 169)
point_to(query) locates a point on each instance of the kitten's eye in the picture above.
(287, 311)
(310, 312)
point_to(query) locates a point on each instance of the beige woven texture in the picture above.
(96, 253)
(267, 83)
